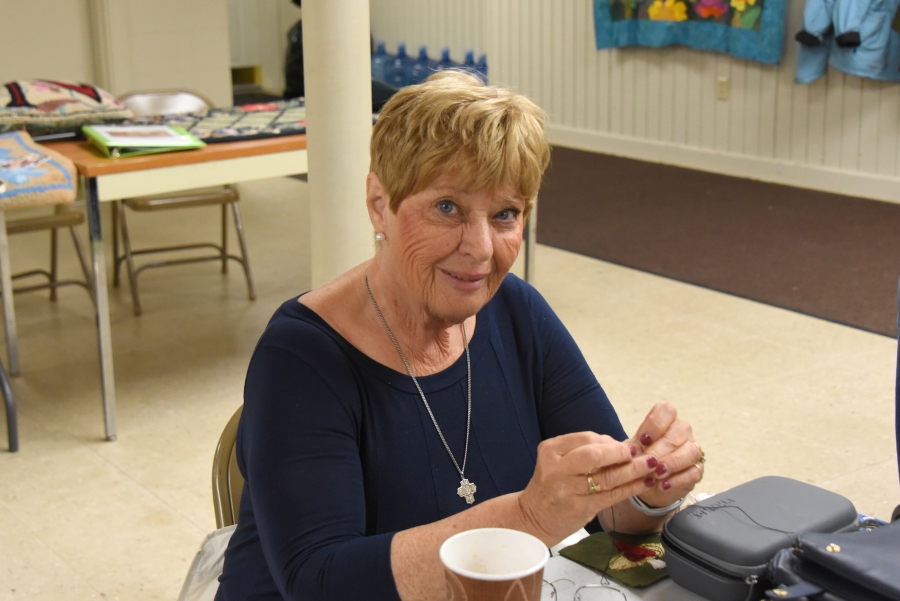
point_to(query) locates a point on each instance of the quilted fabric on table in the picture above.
(247, 122)
(44, 106)
(33, 175)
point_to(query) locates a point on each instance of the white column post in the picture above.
(337, 74)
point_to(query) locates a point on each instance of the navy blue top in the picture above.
(339, 453)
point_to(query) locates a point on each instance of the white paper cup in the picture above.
(490, 564)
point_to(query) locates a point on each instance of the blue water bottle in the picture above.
(469, 65)
(395, 74)
(419, 71)
(481, 67)
(445, 62)
(380, 62)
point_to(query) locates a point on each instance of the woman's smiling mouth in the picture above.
(465, 281)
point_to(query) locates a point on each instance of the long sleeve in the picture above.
(570, 397)
(298, 444)
(815, 39)
(339, 452)
(862, 30)
(818, 18)
(848, 20)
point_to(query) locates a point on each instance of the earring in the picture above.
(379, 237)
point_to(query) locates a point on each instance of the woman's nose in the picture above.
(476, 240)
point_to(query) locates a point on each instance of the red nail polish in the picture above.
(633, 451)
(646, 440)
(651, 462)
(649, 482)
(661, 469)
(666, 485)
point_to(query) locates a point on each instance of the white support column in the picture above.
(337, 73)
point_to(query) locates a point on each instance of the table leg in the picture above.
(102, 305)
(9, 311)
(9, 317)
(12, 426)
(530, 235)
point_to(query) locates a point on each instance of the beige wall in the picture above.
(165, 44)
(839, 134)
(45, 38)
(120, 45)
(258, 31)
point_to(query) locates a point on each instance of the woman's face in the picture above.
(452, 246)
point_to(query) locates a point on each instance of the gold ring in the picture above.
(592, 488)
(702, 454)
(699, 466)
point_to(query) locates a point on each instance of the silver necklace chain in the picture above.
(466, 489)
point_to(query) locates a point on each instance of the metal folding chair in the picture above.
(227, 197)
(227, 481)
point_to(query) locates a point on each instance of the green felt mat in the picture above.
(635, 561)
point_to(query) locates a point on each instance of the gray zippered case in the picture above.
(719, 547)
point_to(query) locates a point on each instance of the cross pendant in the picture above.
(466, 490)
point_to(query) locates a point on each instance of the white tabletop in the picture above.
(559, 567)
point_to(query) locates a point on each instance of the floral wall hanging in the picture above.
(750, 29)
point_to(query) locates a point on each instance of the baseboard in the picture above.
(826, 179)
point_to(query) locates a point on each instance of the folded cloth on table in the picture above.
(33, 175)
(635, 561)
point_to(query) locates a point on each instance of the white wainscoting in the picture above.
(839, 134)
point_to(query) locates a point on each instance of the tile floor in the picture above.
(768, 392)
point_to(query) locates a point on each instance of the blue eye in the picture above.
(507, 214)
(445, 206)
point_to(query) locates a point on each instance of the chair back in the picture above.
(165, 102)
(227, 481)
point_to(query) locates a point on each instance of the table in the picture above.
(559, 568)
(104, 179)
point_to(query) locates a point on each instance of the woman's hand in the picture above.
(558, 500)
(678, 458)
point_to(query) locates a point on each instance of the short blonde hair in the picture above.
(488, 136)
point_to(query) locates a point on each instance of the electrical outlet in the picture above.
(723, 88)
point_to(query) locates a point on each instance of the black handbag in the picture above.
(852, 566)
(720, 548)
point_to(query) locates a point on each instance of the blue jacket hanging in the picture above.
(853, 36)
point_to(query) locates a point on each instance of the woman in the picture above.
(426, 392)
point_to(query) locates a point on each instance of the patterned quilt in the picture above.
(33, 175)
(247, 122)
(750, 29)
